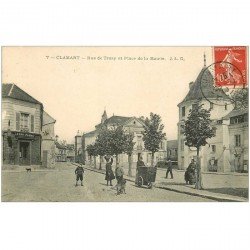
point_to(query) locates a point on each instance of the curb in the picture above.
(207, 196)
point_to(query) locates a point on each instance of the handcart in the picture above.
(145, 176)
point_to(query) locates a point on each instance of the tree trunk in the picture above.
(152, 159)
(94, 161)
(116, 160)
(91, 161)
(129, 165)
(198, 184)
(100, 165)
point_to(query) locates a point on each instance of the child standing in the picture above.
(79, 174)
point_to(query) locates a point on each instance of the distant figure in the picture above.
(190, 173)
(119, 177)
(109, 172)
(79, 174)
(140, 163)
(169, 169)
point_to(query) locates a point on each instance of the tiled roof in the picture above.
(236, 112)
(208, 89)
(115, 119)
(13, 91)
(89, 134)
(60, 146)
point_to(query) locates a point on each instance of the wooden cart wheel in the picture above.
(140, 181)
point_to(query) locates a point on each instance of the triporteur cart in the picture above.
(145, 176)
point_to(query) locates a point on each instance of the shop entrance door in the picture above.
(24, 153)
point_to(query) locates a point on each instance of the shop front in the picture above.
(21, 148)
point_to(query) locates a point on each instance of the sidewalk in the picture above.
(225, 192)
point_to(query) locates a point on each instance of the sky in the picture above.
(76, 84)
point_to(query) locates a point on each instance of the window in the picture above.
(183, 111)
(237, 140)
(211, 105)
(24, 122)
(225, 106)
(213, 148)
(169, 151)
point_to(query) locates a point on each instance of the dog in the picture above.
(28, 170)
(121, 188)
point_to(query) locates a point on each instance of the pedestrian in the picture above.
(109, 172)
(79, 174)
(190, 173)
(169, 169)
(119, 177)
(140, 163)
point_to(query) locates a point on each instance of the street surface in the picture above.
(59, 185)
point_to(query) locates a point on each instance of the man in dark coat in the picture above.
(79, 174)
(169, 169)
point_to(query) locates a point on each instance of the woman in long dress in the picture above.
(109, 172)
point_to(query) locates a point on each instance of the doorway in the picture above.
(24, 153)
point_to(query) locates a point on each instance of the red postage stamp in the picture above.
(230, 66)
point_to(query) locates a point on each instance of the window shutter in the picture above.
(17, 121)
(32, 123)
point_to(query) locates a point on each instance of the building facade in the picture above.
(79, 156)
(130, 125)
(60, 152)
(70, 152)
(172, 151)
(48, 151)
(218, 154)
(21, 127)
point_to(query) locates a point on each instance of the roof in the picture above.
(172, 144)
(236, 112)
(89, 134)
(47, 119)
(115, 119)
(60, 146)
(13, 91)
(208, 89)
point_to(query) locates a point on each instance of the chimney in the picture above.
(191, 84)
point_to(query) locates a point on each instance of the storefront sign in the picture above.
(24, 135)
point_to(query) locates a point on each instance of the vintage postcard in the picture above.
(142, 124)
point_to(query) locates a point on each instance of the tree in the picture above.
(128, 149)
(240, 98)
(91, 149)
(153, 134)
(117, 141)
(197, 129)
(102, 144)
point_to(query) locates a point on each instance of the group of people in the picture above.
(189, 175)
(109, 176)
